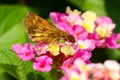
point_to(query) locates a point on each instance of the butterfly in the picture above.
(40, 30)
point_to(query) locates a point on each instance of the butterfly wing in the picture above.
(40, 30)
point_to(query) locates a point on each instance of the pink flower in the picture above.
(67, 65)
(75, 71)
(79, 33)
(60, 20)
(111, 42)
(87, 44)
(104, 20)
(17, 48)
(25, 53)
(40, 48)
(83, 55)
(64, 78)
(93, 71)
(74, 19)
(43, 63)
(107, 71)
(100, 43)
(93, 36)
(104, 27)
(57, 17)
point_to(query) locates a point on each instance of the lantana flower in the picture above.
(93, 71)
(25, 52)
(85, 44)
(67, 49)
(60, 20)
(112, 41)
(104, 26)
(41, 48)
(54, 49)
(89, 15)
(43, 63)
(79, 33)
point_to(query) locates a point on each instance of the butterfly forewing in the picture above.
(40, 30)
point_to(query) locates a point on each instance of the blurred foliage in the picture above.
(12, 13)
(11, 24)
(17, 68)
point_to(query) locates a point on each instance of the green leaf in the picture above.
(11, 32)
(14, 35)
(113, 9)
(19, 69)
(14, 65)
(11, 24)
(77, 3)
(113, 54)
(95, 5)
(5, 76)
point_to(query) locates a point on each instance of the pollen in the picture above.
(53, 48)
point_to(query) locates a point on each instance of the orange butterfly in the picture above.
(40, 30)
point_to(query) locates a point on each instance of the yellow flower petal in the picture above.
(89, 15)
(67, 50)
(88, 25)
(53, 48)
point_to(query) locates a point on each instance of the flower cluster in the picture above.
(89, 31)
(87, 28)
(79, 70)
(44, 55)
